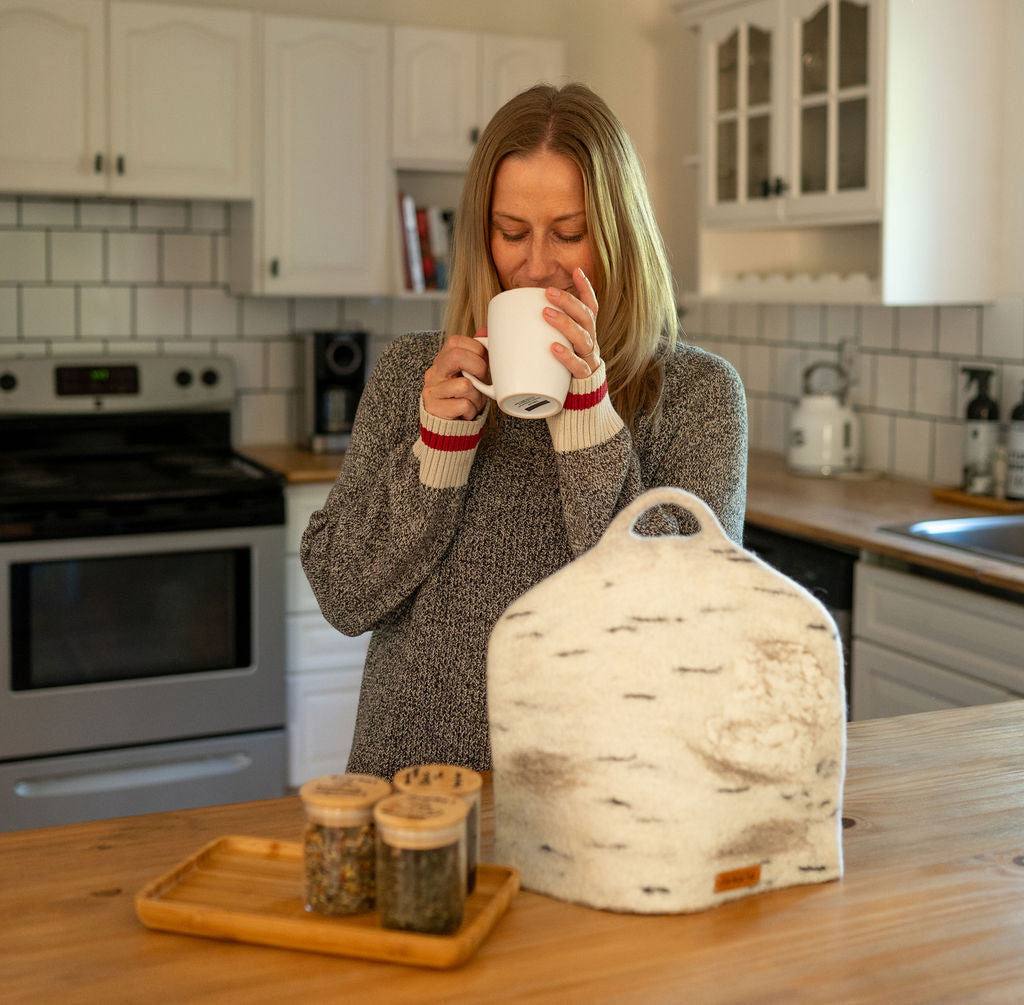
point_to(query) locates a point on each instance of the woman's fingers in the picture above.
(576, 318)
(448, 394)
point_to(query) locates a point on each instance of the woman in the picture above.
(446, 510)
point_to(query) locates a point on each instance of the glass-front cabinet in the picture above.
(743, 140)
(792, 124)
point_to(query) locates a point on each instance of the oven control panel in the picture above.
(48, 385)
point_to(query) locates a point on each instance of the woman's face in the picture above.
(539, 222)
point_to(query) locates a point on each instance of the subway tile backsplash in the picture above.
(102, 277)
(907, 386)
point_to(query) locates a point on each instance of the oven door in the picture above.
(141, 639)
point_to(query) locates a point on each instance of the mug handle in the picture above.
(487, 389)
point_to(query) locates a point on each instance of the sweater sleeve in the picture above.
(700, 446)
(396, 504)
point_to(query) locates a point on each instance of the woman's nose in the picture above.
(539, 262)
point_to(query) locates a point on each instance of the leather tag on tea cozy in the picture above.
(667, 721)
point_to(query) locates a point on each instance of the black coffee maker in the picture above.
(332, 374)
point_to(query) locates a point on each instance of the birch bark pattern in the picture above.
(667, 720)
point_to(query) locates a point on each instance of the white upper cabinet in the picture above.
(434, 114)
(834, 109)
(319, 224)
(124, 98)
(512, 63)
(52, 95)
(180, 100)
(448, 83)
(851, 150)
(792, 121)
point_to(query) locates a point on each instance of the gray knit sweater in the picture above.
(435, 526)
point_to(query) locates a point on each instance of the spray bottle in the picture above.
(981, 433)
(1015, 453)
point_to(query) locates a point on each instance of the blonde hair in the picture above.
(637, 322)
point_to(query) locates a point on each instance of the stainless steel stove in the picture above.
(141, 598)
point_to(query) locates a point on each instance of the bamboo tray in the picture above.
(249, 889)
(978, 502)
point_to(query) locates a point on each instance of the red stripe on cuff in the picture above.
(438, 441)
(579, 402)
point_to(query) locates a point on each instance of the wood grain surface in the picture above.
(931, 908)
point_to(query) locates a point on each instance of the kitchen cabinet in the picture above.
(448, 83)
(791, 111)
(921, 645)
(323, 667)
(126, 99)
(317, 225)
(850, 150)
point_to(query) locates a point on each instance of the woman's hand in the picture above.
(447, 394)
(576, 319)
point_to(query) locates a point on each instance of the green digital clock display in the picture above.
(94, 380)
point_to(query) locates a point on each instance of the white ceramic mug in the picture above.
(529, 382)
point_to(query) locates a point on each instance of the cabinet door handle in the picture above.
(474, 135)
(97, 164)
(120, 163)
(773, 186)
(275, 266)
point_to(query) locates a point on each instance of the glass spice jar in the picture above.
(450, 780)
(421, 862)
(339, 847)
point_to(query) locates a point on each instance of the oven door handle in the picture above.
(139, 776)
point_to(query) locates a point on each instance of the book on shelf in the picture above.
(426, 244)
(426, 254)
(412, 256)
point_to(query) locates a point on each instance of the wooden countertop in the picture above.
(843, 511)
(851, 512)
(298, 466)
(931, 907)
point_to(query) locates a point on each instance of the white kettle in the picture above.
(824, 434)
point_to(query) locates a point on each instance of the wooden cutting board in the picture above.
(961, 498)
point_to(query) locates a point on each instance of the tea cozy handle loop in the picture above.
(622, 525)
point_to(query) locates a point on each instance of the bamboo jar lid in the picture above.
(416, 820)
(340, 800)
(449, 779)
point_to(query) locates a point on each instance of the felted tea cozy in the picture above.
(667, 721)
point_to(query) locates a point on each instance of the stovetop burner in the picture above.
(96, 458)
(111, 478)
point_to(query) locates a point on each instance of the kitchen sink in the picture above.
(999, 537)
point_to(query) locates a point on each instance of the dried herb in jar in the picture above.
(339, 846)
(421, 862)
(418, 890)
(450, 780)
(340, 868)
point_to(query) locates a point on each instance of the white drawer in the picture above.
(298, 596)
(321, 718)
(967, 632)
(313, 644)
(887, 683)
(301, 501)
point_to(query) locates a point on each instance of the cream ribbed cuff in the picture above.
(446, 449)
(583, 424)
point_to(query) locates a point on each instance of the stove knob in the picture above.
(210, 377)
(8, 382)
(183, 378)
